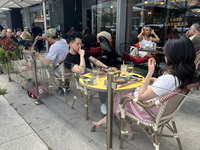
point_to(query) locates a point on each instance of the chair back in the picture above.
(172, 102)
(197, 59)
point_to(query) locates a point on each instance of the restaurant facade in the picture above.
(125, 18)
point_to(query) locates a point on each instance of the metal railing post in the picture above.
(109, 120)
(38, 102)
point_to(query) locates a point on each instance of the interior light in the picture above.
(111, 6)
(3, 8)
(192, 2)
(146, 2)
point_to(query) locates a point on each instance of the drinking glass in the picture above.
(95, 74)
(123, 70)
(130, 68)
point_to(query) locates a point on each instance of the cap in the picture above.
(50, 32)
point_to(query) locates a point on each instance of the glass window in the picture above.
(168, 18)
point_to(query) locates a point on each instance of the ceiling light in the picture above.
(146, 2)
(3, 8)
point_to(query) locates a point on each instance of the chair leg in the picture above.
(65, 94)
(156, 144)
(122, 134)
(176, 135)
(75, 97)
(86, 107)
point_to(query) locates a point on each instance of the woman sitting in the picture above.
(145, 38)
(178, 73)
(26, 36)
(88, 38)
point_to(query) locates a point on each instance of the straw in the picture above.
(123, 63)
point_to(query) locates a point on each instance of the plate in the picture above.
(120, 80)
(101, 73)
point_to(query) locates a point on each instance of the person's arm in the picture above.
(81, 67)
(140, 36)
(41, 38)
(146, 93)
(156, 37)
(44, 60)
(97, 62)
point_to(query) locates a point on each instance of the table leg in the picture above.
(86, 103)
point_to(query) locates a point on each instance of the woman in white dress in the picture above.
(145, 38)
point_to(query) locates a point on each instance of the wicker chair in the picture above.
(66, 76)
(86, 94)
(197, 61)
(169, 106)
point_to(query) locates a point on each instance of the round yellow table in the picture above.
(101, 88)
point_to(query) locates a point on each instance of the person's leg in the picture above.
(103, 98)
(100, 123)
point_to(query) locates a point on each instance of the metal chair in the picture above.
(169, 106)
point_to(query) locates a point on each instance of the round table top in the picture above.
(100, 87)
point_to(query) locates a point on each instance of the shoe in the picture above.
(103, 109)
(59, 90)
(67, 89)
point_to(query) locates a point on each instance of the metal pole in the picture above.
(45, 23)
(110, 111)
(38, 102)
(9, 78)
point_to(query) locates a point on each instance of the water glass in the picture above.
(95, 74)
(123, 70)
(130, 68)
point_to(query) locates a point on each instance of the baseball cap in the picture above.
(50, 32)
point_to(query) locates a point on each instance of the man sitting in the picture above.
(194, 36)
(82, 60)
(57, 52)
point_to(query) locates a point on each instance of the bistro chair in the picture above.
(125, 52)
(66, 77)
(169, 106)
(197, 62)
(82, 93)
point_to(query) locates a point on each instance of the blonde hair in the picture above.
(3, 32)
(25, 35)
(145, 27)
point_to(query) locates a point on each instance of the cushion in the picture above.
(138, 60)
(137, 45)
(94, 51)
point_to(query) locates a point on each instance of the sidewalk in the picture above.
(54, 125)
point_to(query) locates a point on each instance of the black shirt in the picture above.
(75, 59)
(36, 31)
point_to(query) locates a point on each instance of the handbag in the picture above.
(134, 51)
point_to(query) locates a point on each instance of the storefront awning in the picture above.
(18, 3)
(171, 4)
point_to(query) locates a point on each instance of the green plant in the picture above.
(3, 91)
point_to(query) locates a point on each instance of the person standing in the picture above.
(194, 36)
(37, 31)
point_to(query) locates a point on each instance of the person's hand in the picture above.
(187, 34)
(152, 31)
(81, 52)
(38, 38)
(151, 65)
(142, 31)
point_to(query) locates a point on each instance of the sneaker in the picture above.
(67, 89)
(103, 109)
(59, 90)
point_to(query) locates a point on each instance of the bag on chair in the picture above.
(134, 51)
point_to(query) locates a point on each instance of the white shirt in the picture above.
(57, 52)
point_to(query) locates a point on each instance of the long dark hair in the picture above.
(87, 31)
(180, 55)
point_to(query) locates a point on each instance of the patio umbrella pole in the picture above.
(110, 89)
(38, 102)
